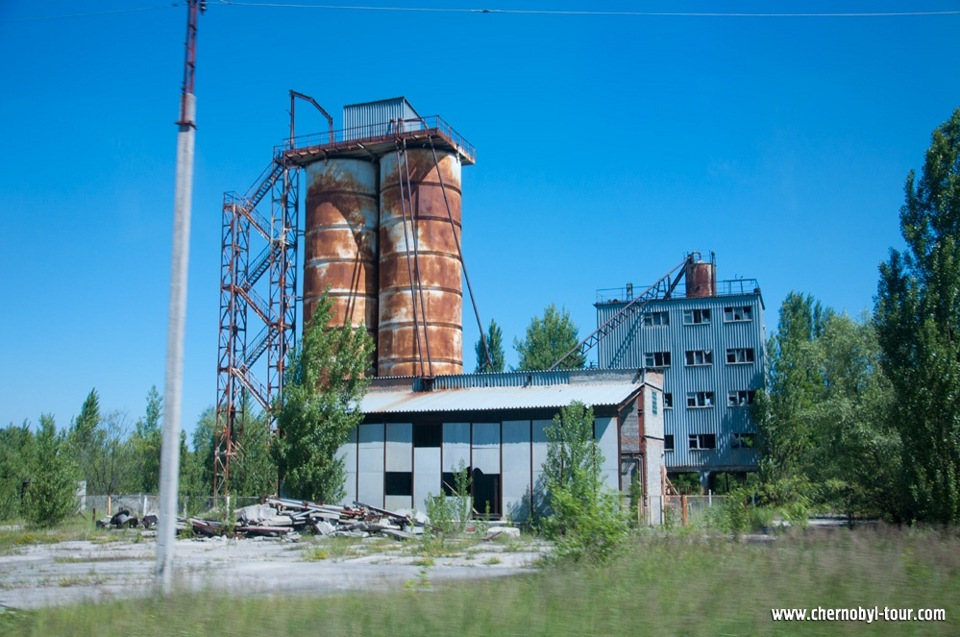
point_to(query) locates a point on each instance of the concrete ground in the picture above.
(42, 575)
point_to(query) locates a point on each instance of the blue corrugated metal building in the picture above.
(374, 119)
(709, 342)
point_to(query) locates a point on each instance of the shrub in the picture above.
(585, 517)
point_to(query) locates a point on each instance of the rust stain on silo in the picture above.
(417, 238)
(341, 241)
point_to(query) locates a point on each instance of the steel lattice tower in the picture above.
(258, 304)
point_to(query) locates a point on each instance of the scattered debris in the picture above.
(279, 517)
(505, 531)
(120, 520)
(284, 518)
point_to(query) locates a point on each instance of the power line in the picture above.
(93, 14)
(645, 14)
(542, 12)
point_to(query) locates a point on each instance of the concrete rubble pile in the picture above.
(278, 517)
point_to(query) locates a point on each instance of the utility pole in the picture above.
(176, 319)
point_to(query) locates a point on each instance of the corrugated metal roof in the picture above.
(399, 401)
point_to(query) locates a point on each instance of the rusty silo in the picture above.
(341, 240)
(700, 277)
(420, 326)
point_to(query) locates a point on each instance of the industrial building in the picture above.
(416, 432)
(708, 339)
(382, 239)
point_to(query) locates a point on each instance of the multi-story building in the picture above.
(709, 341)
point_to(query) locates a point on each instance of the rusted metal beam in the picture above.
(627, 311)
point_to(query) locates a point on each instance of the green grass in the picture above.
(332, 548)
(74, 528)
(691, 585)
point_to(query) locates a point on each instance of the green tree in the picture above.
(86, 438)
(51, 495)
(855, 456)
(918, 320)
(323, 386)
(783, 414)
(494, 338)
(17, 458)
(111, 470)
(824, 435)
(585, 517)
(253, 471)
(145, 441)
(547, 340)
(196, 474)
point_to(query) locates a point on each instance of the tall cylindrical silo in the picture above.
(341, 241)
(416, 236)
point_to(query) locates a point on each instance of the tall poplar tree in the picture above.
(783, 412)
(324, 383)
(86, 437)
(146, 444)
(918, 321)
(494, 338)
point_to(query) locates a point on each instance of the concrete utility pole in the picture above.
(176, 319)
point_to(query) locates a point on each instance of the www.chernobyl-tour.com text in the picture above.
(859, 614)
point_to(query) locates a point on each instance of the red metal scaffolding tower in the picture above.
(258, 304)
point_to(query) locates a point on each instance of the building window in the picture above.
(737, 313)
(740, 355)
(668, 442)
(653, 402)
(667, 400)
(699, 399)
(744, 441)
(656, 318)
(657, 359)
(696, 317)
(741, 397)
(700, 357)
(398, 483)
(427, 435)
(703, 441)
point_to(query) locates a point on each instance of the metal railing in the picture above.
(729, 287)
(383, 131)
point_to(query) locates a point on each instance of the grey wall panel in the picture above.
(539, 448)
(399, 447)
(398, 502)
(486, 447)
(516, 464)
(370, 464)
(426, 475)
(348, 453)
(456, 445)
(605, 432)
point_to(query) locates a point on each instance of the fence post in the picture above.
(109, 505)
(710, 498)
(683, 508)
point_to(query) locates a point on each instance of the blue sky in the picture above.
(608, 146)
